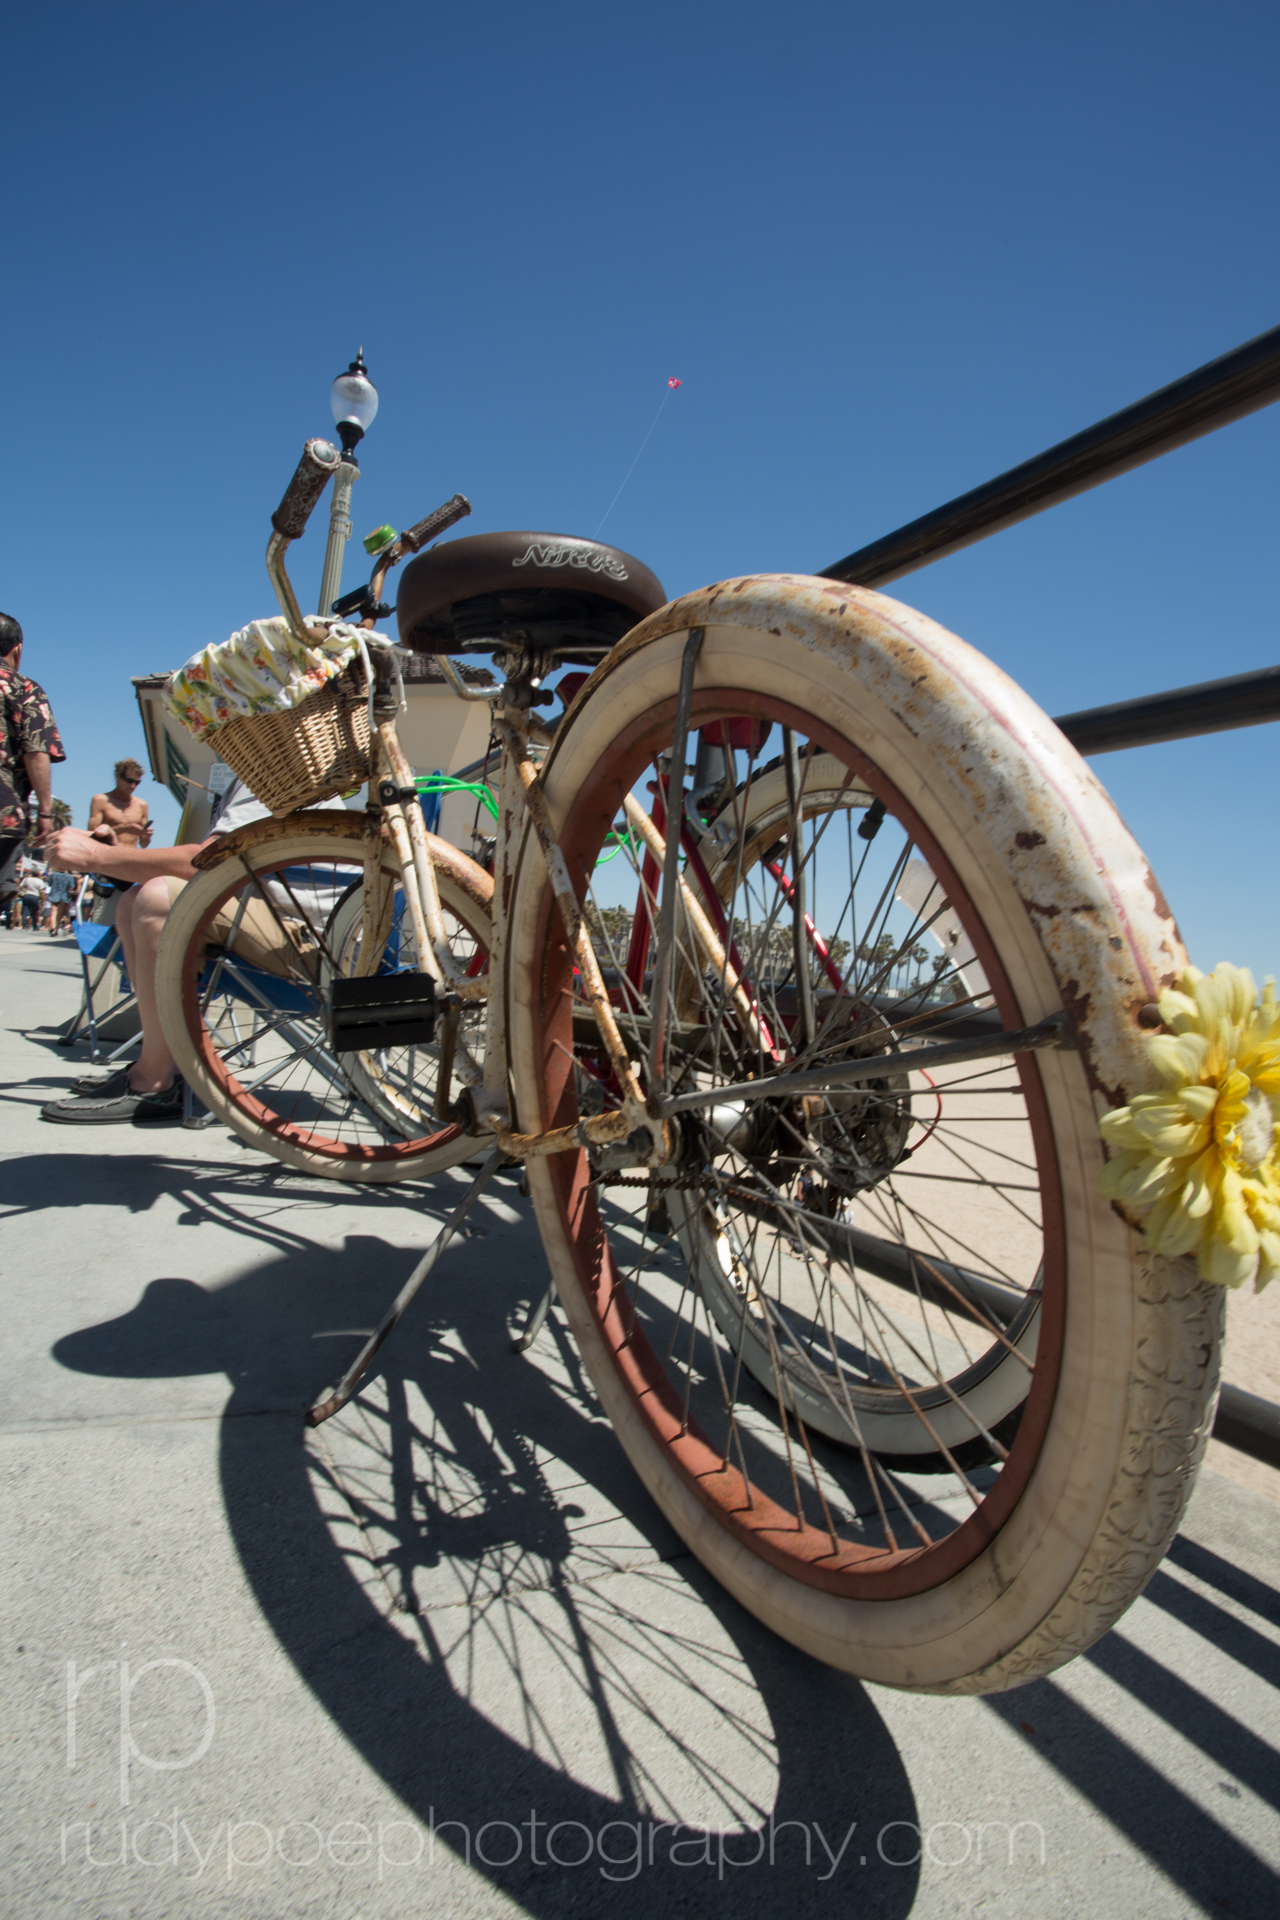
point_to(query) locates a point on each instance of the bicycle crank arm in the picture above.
(1053, 1032)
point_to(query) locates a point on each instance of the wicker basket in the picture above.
(310, 752)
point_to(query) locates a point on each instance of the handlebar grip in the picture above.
(318, 463)
(436, 523)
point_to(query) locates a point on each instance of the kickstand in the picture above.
(194, 1112)
(338, 1399)
(533, 1325)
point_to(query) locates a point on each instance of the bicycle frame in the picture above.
(484, 1103)
(638, 1132)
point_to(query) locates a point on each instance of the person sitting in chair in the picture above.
(150, 1089)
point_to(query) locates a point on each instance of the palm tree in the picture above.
(61, 817)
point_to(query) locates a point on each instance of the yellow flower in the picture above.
(1200, 1159)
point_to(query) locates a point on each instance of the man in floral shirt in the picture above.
(29, 743)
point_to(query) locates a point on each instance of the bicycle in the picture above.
(803, 1056)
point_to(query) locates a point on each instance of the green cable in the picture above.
(443, 783)
(615, 843)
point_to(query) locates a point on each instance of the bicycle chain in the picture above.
(684, 1183)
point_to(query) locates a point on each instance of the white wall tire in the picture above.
(1073, 918)
(297, 842)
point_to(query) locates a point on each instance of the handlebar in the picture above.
(366, 601)
(435, 524)
(318, 464)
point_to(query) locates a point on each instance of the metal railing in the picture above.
(1224, 390)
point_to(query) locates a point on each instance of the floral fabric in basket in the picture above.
(261, 669)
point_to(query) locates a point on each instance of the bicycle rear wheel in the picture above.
(889, 1363)
(249, 1029)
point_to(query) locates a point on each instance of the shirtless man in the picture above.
(121, 812)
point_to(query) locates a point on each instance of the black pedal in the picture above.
(382, 1010)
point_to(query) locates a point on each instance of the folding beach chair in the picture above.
(101, 950)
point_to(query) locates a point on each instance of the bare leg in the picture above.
(140, 919)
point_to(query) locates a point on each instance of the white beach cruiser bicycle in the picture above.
(797, 965)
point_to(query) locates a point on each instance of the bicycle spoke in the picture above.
(867, 1362)
(307, 927)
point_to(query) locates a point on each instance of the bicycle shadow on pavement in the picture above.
(246, 1197)
(469, 1577)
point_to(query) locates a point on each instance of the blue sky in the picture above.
(889, 252)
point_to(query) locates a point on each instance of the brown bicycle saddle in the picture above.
(550, 590)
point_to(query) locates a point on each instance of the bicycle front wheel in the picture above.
(892, 1367)
(247, 960)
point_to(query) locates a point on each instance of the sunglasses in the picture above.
(132, 779)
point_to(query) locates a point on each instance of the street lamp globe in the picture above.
(354, 400)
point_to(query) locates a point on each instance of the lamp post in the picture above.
(354, 400)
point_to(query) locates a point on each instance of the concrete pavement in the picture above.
(445, 1657)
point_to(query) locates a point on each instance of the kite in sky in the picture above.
(671, 387)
